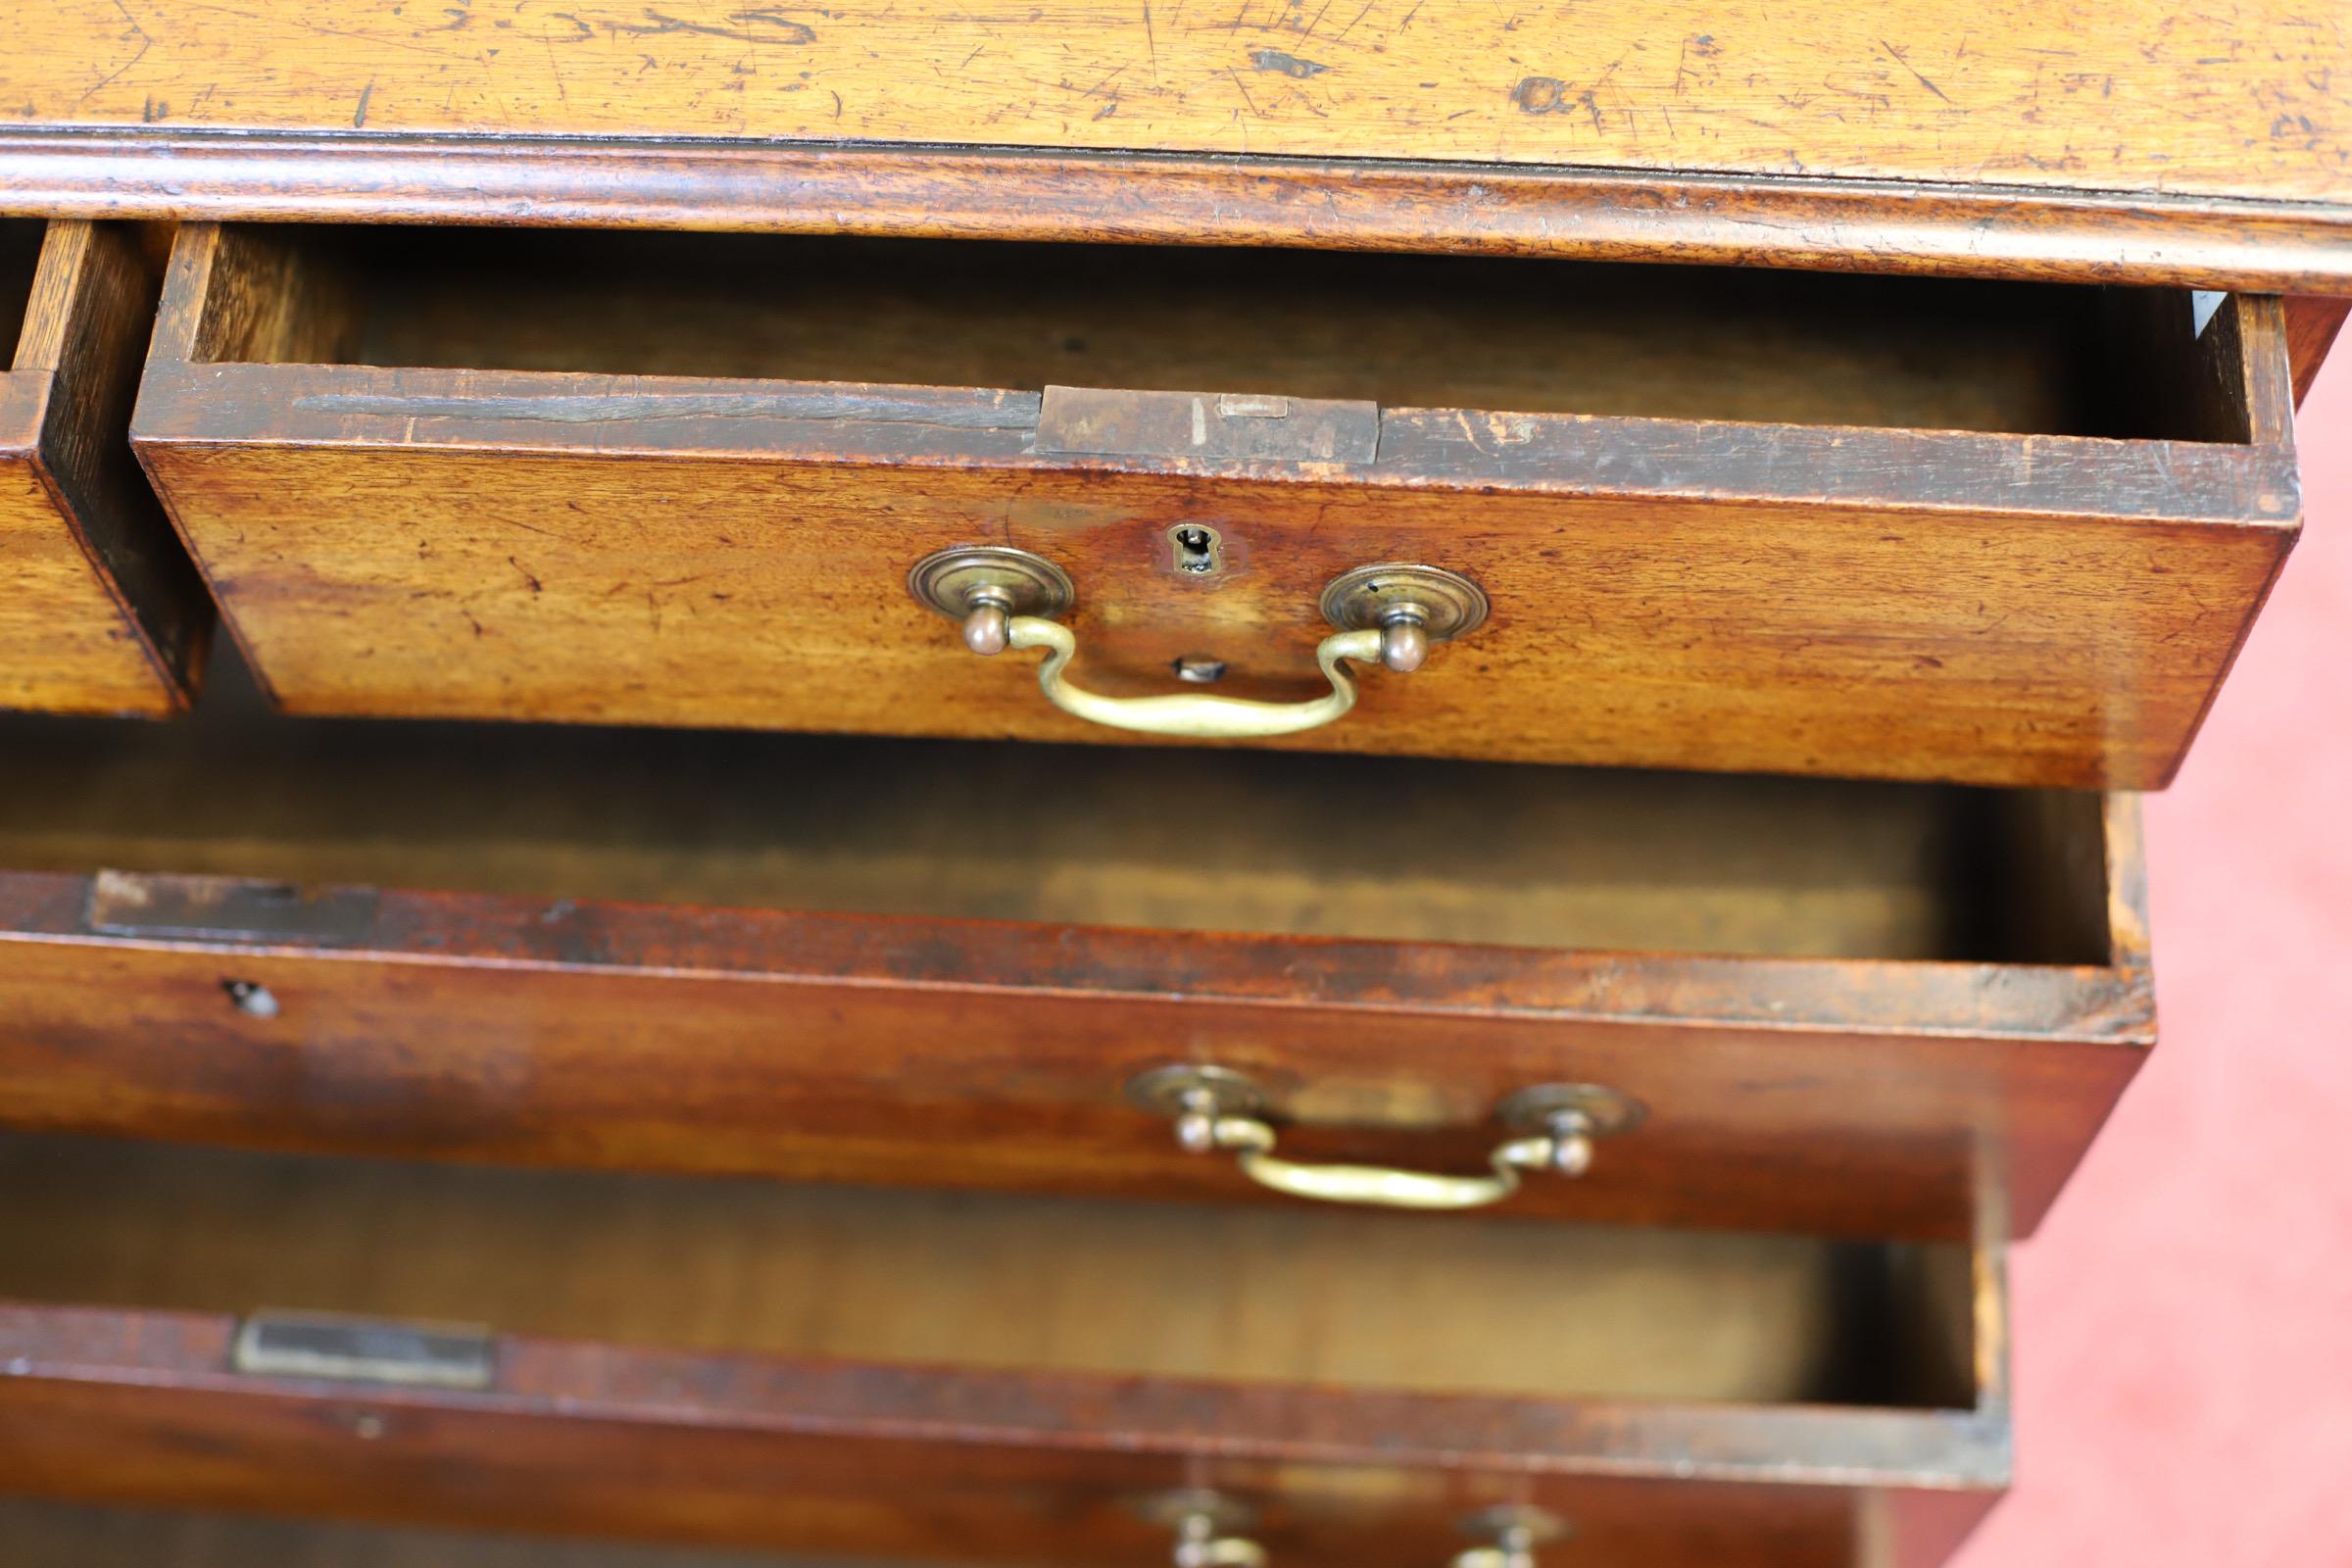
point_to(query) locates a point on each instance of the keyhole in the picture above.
(1198, 552)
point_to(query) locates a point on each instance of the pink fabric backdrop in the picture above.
(2184, 1315)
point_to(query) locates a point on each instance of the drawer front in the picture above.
(99, 610)
(1886, 585)
(950, 964)
(744, 1365)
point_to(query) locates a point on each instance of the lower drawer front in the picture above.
(958, 1378)
(1839, 1004)
(1909, 529)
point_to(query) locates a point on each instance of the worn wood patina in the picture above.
(2074, 141)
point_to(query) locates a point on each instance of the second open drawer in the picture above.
(1839, 1005)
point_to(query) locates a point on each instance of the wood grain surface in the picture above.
(766, 1378)
(1843, 225)
(1671, 588)
(2243, 99)
(932, 963)
(101, 613)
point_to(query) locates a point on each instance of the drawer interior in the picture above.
(1479, 333)
(1225, 840)
(19, 257)
(1332, 1297)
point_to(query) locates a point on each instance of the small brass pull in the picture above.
(1216, 1109)
(1512, 1532)
(1206, 1526)
(1200, 1543)
(1386, 615)
(1197, 716)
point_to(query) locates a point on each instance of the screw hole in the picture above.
(251, 998)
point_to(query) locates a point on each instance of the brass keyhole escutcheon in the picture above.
(1197, 548)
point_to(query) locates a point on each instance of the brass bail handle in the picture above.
(1555, 1124)
(1512, 1532)
(1386, 614)
(1207, 1528)
(1207, 1524)
(1200, 1543)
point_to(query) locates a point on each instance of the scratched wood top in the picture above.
(2247, 98)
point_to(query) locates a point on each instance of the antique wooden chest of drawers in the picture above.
(1640, 557)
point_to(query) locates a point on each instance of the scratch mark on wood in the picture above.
(359, 116)
(145, 43)
(785, 29)
(1896, 55)
(1245, 90)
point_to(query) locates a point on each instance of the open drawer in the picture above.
(100, 611)
(1819, 1004)
(1695, 518)
(975, 1378)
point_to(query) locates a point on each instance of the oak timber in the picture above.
(2046, 596)
(736, 953)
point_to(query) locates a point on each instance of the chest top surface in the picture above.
(2082, 109)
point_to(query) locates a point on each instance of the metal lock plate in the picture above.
(1101, 422)
(305, 1345)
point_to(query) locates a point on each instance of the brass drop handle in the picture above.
(1201, 1542)
(1512, 1532)
(1555, 1124)
(1206, 1526)
(1386, 614)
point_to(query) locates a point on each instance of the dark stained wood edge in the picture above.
(2081, 1004)
(623, 419)
(187, 1354)
(85, 330)
(2312, 324)
(2248, 348)
(187, 400)
(2287, 535)
(1831, 223)
(2261, 364)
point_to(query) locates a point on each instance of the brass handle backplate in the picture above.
(1552, 1128)
(1386, 614)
